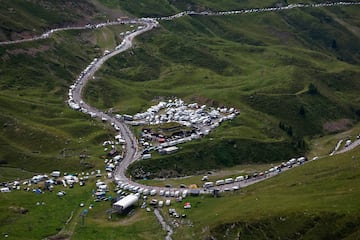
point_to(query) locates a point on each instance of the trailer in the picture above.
(126, 202)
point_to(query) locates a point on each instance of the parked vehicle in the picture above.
(219, 182)
(208, 185)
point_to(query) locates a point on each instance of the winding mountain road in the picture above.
(131, 151)
(131, 146)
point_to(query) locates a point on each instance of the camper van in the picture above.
(5, 189)
(239, 178)
(219, 182)
(229, 180)
(208, 184)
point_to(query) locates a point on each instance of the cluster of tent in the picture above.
(186, 114)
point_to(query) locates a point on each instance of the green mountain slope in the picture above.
(316, 201)
(22, 19)
(40, 132)
(291, 74)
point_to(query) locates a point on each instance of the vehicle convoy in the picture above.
(128, 139)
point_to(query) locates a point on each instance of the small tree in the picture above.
(302, 110)
(312, 89)
(334, 44)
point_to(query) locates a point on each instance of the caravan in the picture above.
(208, 184)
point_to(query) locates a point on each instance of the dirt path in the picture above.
(164, 225)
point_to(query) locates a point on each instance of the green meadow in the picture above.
(40, 132)
(292, 83)
(319, 200)
(28, 215)
(293, 75)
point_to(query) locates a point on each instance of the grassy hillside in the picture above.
(25, 18)
(155, 8)
(319, 200)
(39, 131)
(291, 74)
(27, 215)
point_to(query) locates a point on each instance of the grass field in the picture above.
(22, 218)
(293, 75)
(316, 201)
(319, 195)
(40, 132)
(290, 82)
(233, 172)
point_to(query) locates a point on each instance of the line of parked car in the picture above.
(121, 187)
(254, 10)
(256, 175)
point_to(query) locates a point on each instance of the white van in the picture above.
(239, 178)
(219, 182)
(229, 180)
(208, 185)
(5, 189)
(177, 194)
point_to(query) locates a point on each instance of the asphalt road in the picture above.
(131, 147)
(350, 147)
